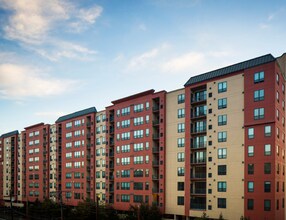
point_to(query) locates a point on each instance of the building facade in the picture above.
(216, 146)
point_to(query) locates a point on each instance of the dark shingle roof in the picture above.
(231, 69)
(12, 133)
(76, 114)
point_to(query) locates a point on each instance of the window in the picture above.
(181, 186)
(267, 205)
(138, 160)
(221, 186)
(125, 111)
(267, 130)
(181, 113)
(221, 153)
(181, 157)
(181, 142)
(181, 127)
(181, 171)
(250, 133)
(181, 98)
(267, 168)
(222, 120)
(138, 173)
(125, 148)
(222, 136)
(258, 77)
(138, 121)
(138, 198)
(180, 200)
(221, 203)
(138, 186)
(125, 185)
(125, 160)
(267, 186)
(250, 169)
(250, 186)
(125, 173)
(138, 147)
(259, 95)
(222, 103)
(68, 125)
(138, 108)
(250, 151)
(258, 113)
(221, 169)
(267, 149)
(250, 204)
(125, 136)
(222, 87)
(125, 123)
(138, 134)
(125, 198)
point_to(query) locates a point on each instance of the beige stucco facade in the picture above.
(100, 155)
(172, 151)
(234, 146)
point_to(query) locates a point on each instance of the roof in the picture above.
(12, 133)
(77, 114)
(137, 95)
(231, 69)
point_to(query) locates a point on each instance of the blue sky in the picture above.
(61, 56)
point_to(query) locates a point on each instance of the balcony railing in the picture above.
(155, 163)
(198, 176)
(155, 149)
(199, 129)
(155, 177)
(198, 191)
(198, 206)
(198, 145)
(198, 160)
(199, 98)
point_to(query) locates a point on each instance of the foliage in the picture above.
(220, 216)
(204, 216)
(144, 212)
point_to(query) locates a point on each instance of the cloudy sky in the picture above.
(61, 56)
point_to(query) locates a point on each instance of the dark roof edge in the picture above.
(9, 134)
(236, 67)
(35, 125)
(137, 95)
(76, 114)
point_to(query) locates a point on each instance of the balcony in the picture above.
(198, 176)
(155, 150)
(198, 160)
(199, 114)
(199, 129)
(155, 108)
(198, 145)
(155, 177)
(155, 163)
(197, 191)
(156, 136)
(88, 124)
(198, 206)
(155, 190)
(199, 98)
(88, 135)
(111, 118)
(155, 122)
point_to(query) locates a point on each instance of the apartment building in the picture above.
(37, 162)
(53, 163)
(135, 157)
(76, 156)
(8, 180)
(100, 156)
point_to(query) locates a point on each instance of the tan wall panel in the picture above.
(172, 150)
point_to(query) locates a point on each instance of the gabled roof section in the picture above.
(77, 114)
(12, 133)
(231, 69)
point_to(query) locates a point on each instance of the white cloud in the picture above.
(185, 62)
(18, 82)
(33, 24)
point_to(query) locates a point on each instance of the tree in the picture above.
(220, 216)
(144, 212)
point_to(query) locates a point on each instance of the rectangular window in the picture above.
(125, 123)
(138, 198)
(221, 203)
(125, 111)
(250, 151)
(267, 205)
(138, 186)
(181, 142)
(181, 113)
(258, 113)
(250, 133)
(222, 103)
(181, 157)
(180, 200)
(250, 204)
(250, 186)
(259, 95)
(138, 134)
(181, 98)
(221, 186)
(267, 131)
(222, 87)
(267, 149)
(221, 153)
(250, 169)
(125, 198)
(138, 108)
(181, 186)
(222, 120)
(138, 147)
(258, 77)
(181, 127)
(267, 168)
(222, 136)
(181, 171)
(138, 121)
(221, 169)
(267, 186)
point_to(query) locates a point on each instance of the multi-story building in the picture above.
(216, 146)
(9, 161)
(76, 156)
(100, 155)
(37, 162)
(135, 157)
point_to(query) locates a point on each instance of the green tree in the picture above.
(144, 212)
